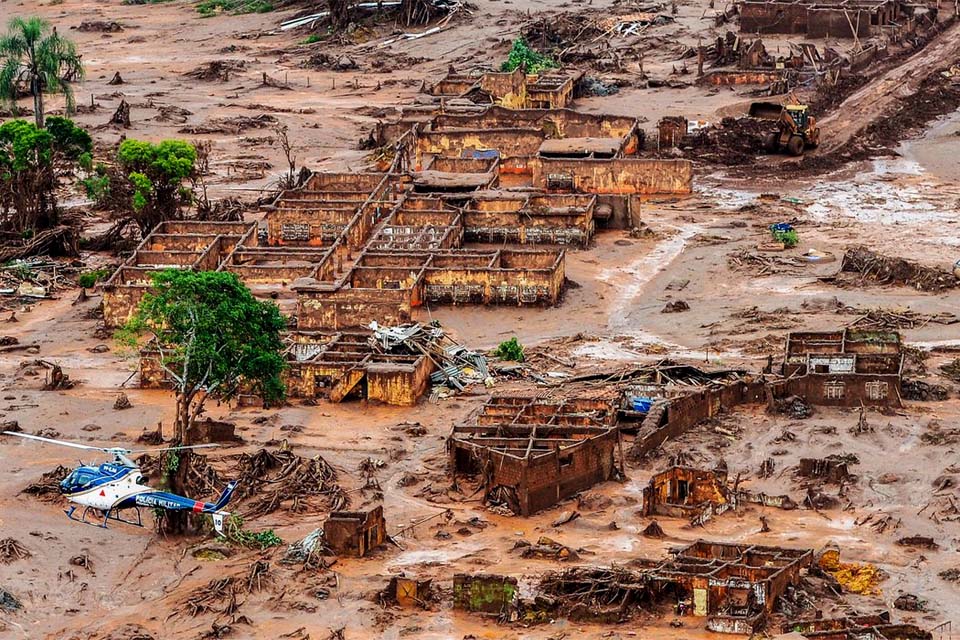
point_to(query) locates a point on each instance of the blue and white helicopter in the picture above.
(115, 486)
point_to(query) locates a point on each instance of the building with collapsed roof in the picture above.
(699, 494)
(845, 368)
(355, 533)
(513, 89)
(734, 586)
(875, 626)
(822, 18)
(528, 454)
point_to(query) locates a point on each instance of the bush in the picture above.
(522, 55)
(89, 278)
(788, 237)
(31, 161)
(510, 350)
(312, 38)
(236, 534)
(154, 176)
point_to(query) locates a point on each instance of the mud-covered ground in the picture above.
(139, 582)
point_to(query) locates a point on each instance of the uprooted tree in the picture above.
(31, 162)
(35, 59)
(214, 340)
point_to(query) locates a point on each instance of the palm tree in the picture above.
(33, 54)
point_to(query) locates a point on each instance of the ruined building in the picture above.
(528, 454)
(355, 533)
(825, 18)
(845, 368)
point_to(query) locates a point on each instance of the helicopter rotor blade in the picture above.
(190, 446)
(62, 443)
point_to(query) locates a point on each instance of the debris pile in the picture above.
(863, 579)
(216, 70)
(793, 406)
(309, 551)
(233, 125)
(890, 270)
(923, 391)
(47, 488)
(8, 601)
(11, 550)
(887, 320)
(32, 278)
(283, 480)
(457, 366)
(595, 591)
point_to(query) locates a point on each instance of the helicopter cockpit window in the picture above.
(78, 478)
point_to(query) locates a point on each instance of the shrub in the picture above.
(522, 55)
(89, 278)
(510, 350)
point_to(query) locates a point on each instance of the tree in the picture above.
(155, 173)
(214, 341)
(146, 184)
(31, 159)
(36, 56)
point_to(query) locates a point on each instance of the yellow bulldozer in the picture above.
(795, 131)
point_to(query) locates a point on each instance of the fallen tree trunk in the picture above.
(61, 240)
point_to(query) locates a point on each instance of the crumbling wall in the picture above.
(551, 478)
(398, 384)
(355, 533)
(621, 176)
(687, 411)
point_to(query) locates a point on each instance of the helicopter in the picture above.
(116, 486)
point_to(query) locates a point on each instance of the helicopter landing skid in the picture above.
(106, 515)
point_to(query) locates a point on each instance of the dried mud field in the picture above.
(898, 195)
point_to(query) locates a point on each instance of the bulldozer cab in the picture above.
(799, 114)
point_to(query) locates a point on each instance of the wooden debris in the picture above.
(11, 550)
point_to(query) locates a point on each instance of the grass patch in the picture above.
(312, 39)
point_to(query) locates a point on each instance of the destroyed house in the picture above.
(201, 246)
(873, 627)
(340, 365)
(736, 586)
(821, 18)
(355, 533)
(530, 454)
(699, 494)
(846, 367)
(684, 492)
(512, 89)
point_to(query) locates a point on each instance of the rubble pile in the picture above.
(890, 270)
(11, 550)
(457, 366)
(596, 591)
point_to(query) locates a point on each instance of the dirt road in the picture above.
(876, 97)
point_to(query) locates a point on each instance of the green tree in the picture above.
(214, 339)
(35, 56)
(31, 159)
(152, 180)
